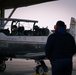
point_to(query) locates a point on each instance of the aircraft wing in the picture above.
(32, 55)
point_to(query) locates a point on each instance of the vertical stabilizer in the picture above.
(73, 27)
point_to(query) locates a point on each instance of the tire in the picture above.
(2, 67)
(39, 70)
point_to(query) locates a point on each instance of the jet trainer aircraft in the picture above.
(21, 42)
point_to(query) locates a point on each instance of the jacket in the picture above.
(60, 45)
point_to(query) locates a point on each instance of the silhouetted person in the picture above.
(14, 30)
(59, 49)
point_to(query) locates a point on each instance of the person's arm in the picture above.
(74, 47)
(49, 47)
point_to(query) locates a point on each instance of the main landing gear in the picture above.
(41, 68)
(2, 66)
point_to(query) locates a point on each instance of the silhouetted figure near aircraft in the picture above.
(20, 31)
(36, 28)
(14, 30)
(59, 49)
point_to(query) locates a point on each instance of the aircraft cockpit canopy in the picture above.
(20, 27)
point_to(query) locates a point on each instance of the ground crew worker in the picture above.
(59, 49)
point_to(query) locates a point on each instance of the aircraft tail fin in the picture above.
(73, 27)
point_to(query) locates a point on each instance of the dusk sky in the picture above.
(47, 13)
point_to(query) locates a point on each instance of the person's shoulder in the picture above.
(70, 35)
(51, 35)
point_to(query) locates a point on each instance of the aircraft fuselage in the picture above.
(11, 46)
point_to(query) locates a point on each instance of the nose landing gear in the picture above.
(41, 68)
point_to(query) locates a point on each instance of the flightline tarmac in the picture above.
(26, 67)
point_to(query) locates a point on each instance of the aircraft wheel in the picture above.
(39, 70)
(2, 67)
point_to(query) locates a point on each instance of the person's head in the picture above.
(59, 24)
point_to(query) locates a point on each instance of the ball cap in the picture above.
(60, 24)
